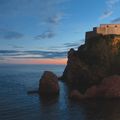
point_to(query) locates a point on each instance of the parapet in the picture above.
(104, 29)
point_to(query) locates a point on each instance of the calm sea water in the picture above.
(16, 104)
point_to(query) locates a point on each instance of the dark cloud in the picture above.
(62, 47)
(55, 19)
(45, 35)
(7, 34)
(17, 47)
(74, 45)
(32, 54)
(48, 54)
(8, 51)
(117, 20)
(71, 45)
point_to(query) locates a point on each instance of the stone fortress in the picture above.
(104, 29)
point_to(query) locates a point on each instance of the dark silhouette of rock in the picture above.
(76, 95)
(48, 85)
(98, 58)
(109, 88)
(91, 92)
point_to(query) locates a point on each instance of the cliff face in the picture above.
(99, 57)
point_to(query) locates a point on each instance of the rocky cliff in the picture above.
(98, 58)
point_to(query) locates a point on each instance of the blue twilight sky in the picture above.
(47, 29)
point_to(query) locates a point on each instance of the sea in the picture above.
(16, 104)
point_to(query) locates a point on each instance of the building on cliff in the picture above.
(104, 29)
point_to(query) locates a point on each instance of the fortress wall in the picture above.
(109, 25)
(90, 34)
(104, 29)
(108, 29)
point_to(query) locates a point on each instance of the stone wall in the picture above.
(90, 34)
(104, 29)
(108, 29)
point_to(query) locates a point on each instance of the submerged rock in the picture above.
(48, 85)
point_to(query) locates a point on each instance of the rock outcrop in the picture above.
(92, 71)
(48, 85)
(76, 95)
(109, 88)
(98, 58)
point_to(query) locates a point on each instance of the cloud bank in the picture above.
(31, 54)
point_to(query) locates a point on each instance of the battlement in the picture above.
(104, 29)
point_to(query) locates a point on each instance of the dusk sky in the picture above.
(42, 31)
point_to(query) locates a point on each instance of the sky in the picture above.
(42, 31)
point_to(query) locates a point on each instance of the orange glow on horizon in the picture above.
(58, 61)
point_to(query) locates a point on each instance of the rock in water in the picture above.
(48, 85)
